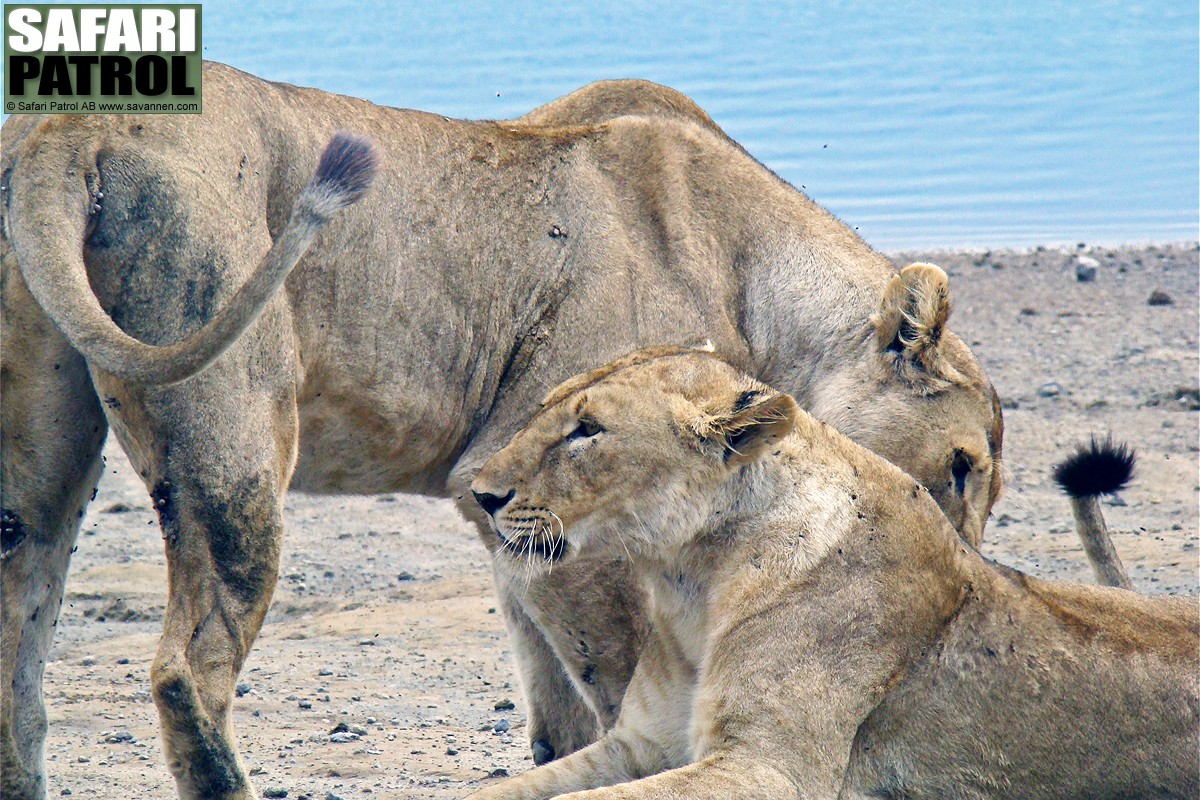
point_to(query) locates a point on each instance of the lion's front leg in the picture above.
(722, 776)
(587, 616)
(618, 756)
(560, 722)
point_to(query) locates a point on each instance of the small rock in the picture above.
(117, 508)
(406, 576)
(88, 661)
(65, 792)
(324, 673)
(501, 726)
(304, 704)
(499, 772)
(242, 689)
(275, 791)
(450, 751)
(122, 660)
(332, 796)
(1160, 298)
(343, 737)
(360, 730)
(1085, 269)
(1028, 311)
(504, 705)
(339, 728)
(1051, 389)
(119, 737)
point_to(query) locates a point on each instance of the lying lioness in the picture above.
(819, 629)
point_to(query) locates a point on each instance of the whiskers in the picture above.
(535, 542)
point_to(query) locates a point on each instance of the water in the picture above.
(922, 124)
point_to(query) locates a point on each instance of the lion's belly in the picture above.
(361, 433)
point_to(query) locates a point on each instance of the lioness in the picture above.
(818, 628)
(489, 261)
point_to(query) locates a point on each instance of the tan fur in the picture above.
(818, 629)
(490, 261)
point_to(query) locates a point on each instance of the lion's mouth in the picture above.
(524, 546)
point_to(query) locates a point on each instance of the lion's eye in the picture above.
(586, 429)
(960, 469)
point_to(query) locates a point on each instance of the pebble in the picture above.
(1051, 389)
(343, 737)
(504, 705)
(332, 796)
(499, 772)
(118, 737)
(275, 791)
(450, 751)
(1160, 298)
(501, 726)
(1085, 269)
(304, 704)
(324, 672)
(242, 689)
(406, 576)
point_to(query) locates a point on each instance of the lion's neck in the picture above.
(785, 511)
(776, 517)
(809, 296)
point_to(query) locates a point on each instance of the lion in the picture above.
(488, 262)
(819, 629)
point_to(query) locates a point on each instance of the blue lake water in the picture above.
(922, 124)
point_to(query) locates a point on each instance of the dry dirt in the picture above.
(384, 620)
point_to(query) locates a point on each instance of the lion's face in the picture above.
(919, 399)
(628, 457)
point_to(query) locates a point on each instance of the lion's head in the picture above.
(919, 399)
(629, 455)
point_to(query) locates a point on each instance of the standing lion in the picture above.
(416, 332)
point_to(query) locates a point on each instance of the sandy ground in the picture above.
(384, 619)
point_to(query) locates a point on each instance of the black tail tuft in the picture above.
(1096, 468)
(347, 167)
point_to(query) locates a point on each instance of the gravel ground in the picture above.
(383, 669)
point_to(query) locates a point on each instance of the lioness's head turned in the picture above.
(922, 402)
(629, 455)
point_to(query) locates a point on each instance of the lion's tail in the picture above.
(49, 254)
(1096, 469)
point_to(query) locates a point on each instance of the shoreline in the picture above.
(384, 616)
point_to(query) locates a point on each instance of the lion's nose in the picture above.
(491, 503)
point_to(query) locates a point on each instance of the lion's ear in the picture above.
(757, 419)
(912, 315)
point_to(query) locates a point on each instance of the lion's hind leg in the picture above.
(217, 472)
(51, 432)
